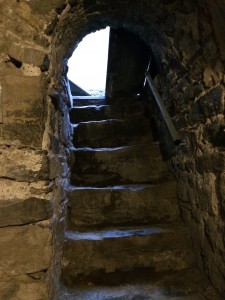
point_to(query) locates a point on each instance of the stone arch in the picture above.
(182, 40)
(171, 29)
(174, 31)
(69, 33)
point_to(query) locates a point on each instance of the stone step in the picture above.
(102, 100)
(89, 100)
(182, 285)
(122, 205)
(112, 133)
(159, 249)
(104, 112)
(123, 165)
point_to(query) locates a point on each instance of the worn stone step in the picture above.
(104, 112)
(122, 205)
(159, 249)
(102, 100)
(182, 285)
(123, 165)
(112, 133)
(89, 100)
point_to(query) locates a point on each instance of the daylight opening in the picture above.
(88, 64)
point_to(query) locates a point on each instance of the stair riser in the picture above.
(89, 100)
(99, 208)
(184, 285)
(102, 100)
(104, 112)
(141, 164)
(112, 133)
(160, 253)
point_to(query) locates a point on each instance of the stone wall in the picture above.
(193, 88)
(36, 39)
(34, 143)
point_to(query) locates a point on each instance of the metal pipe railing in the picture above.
(175, 135)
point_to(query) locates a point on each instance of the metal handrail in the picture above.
(175, 135)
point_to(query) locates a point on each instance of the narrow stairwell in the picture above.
(125, 239)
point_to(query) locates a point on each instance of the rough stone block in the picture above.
(11, 189)
(25, 249)
(181, 122)
(58, 167)
(30, 210)
(43, 7)
(96, 134)
(23, 110)
(23, 288)
(51, 26)
(26, 54)
(207, 106)
(28, 133)
(222, 189)
(214, 132)
(108, 251)
(123, 165)
(90, 5)
(121, 205)
(23, 165)
(208, 77)
(73, 3)
(217, 12)
(212, 162)
(28, 109)
(103, 112)
(18, 88)
(205, 194)
(26, 33)
(30, 70)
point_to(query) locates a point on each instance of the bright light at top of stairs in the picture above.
(88, 64)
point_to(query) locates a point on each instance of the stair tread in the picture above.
(124, 232)
(97, 106)
(114, 107)
(130, 187)
(102, 111)
(102, 149)
(89, 97)
(99, 121)
(121, 132)
(89, 100)
(160, 248)
(112, 149)
(119, 165)
(182, 285)
(122, 205)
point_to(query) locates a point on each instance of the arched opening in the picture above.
(88, 64)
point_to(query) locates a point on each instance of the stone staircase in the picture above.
(125, 239)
